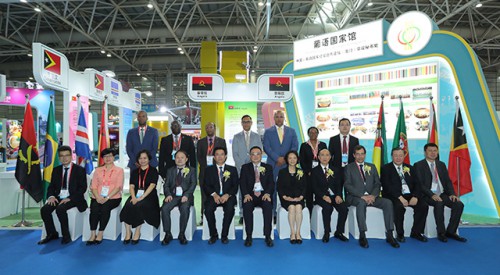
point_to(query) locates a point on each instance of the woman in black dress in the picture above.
(291, 190)
(142, 205)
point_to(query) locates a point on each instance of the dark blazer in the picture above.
(201, 152)
(229, 186)
(306, 155)
(134, 146)
(285, 186)
(336, 150)
(424, 176)
(391, 182)
(188, 182)
(247, 179)
(321, 184)
(166, 147)
(354, 185)
(77, 185)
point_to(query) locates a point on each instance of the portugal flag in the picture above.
(51, 62)
(28, 172)
(400, 138)
(104, 132)
(459, 162)
(99, 82)
(202, 83)
(279, 84)
(51, 159)
(379, 148)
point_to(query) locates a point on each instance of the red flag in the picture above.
(279, 83)
(202, 83)
(104, 132)
(51, 62)
(99, 82)
(459, 161)
(433, 127)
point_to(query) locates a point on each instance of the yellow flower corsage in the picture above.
(300, 174)
(406, 170)
(262, 170)
(329, 173)
(185, 171)
(367, 169)
(226, 175)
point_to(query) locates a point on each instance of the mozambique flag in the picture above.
(379, 148)
(51, 62)
(104, 132)
(28, 172)
(459, 161)
(432, 137)
(279, 84)
(202, 83)
(400, 138)
(50, 159)
(99, 82)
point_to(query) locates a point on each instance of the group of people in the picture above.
(332, 177)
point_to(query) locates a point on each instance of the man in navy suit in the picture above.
(341, 146)
(140, 138)
(170, 145)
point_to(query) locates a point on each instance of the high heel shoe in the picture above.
(293, 241)
(127, 241)
(97, 241)
(90, 242)
(134, 242)
(298, 240)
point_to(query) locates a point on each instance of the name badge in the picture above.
(330, 192)
(173, 154)
(210, 160)
(64, 194)
(315, 163)
(406, 189)
(434, 187)
(345, 158)
(178, 191)
(366, 193)
(105, 191)
(140, 192)
(257, 187)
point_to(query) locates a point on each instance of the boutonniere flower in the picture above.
(329, 173)
(226, 175)
(262, 170)
(185, 171)
(300, 174)
(367, 169)
(406, 170)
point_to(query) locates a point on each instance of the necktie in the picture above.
(362, 172)
(401, 175)
(210, 142)
(142, 134)
(175, 143)
(221, 178)
(344, 145)
(247, 140)
(435, 178)
(280, 134)
(178, 179)
(326, 172)
(257, 179)
(65, 178)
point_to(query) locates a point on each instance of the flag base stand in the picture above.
(23, 222)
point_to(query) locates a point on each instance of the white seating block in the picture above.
(175, 228)
(75, 223)
(317, 223)
(374, 223)
(284, 227)
(219, 215)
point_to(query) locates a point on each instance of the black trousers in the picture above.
(327, 214)
(420, 211)
(61, 211)
(100, 213)
(457, 208)
(184, 214)
(267, 211)
(228, 207)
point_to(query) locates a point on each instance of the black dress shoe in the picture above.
(49, 238)
(89, 243)
(298, 241)
(340, 236)
(97, 241)
(442, 238)
(392, 241)
(456, 237)
(166, 240)
(65, 240)
(248, 242)
(363, 242)
(326, 237)
(213, 239)
(224, 240)
(401, 238)
(126, 241)
(269, 242)
(293, 241)
(418, 236)
(182, 239)
(134, 242)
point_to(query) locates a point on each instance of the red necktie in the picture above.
(344, 146)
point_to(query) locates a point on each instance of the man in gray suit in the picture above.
(178, 188)
(362, 186)
(242, 142)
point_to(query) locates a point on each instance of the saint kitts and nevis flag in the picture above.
(82, 149)
(28, 172)
(51, 159)
(379, 148)
(400, 138)
(459, 161)
(104, 132)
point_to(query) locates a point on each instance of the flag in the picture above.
(28, 172)
(99, 82)
(104, 132)
(50, 159)
(432, 137)
(82, 149)
(202, 83)
(459, 161)
(279, 83)
(400, 138)
(51, 62)
(379, 148)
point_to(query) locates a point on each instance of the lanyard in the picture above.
(143, 179)
(68, 177)
(314, 148)
(177, 145)
(210, 148)
(109, 177)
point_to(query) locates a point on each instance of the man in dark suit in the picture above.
(66, 190)
(341, 146)
(400, 185)
(221, 185)
(362, 186)
(257, 187)
(205, 153)
(140, 138)
(325, 181)
(173, 143)
(438, 191)
(178, 188)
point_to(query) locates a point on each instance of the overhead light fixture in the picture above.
(261, 4)
(150, 6)
(268, 3)
(148, 93)
(253, 71)
(255, 47)
(179, 48)
(24, 1)
(103, 51)
(37, 9)
(163, 109)
(144, 78)
(30, 54)
(31, 78)
(181, 52)
(370, 4)
(138, 74)
(240, 76)
(479, 4)
(108, 55)
(254, 50)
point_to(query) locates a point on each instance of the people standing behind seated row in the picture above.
(107, 186)
(309, 159)
(178, 189)
(400, 185)
(220, 187)
(257, 187)
(291, 190)
(438, 191)
(142, 205)
(143, 137)
(341, 146)
(171, 144)
(66, 190)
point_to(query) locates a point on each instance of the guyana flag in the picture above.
(459, 161)
(50, 159)
(51, 62)
(202, 83)
(400, 138)
(279, 84)
(379, 148)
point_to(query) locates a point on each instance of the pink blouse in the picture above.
(112, 177)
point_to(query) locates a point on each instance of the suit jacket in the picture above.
(77, 185)
(391, 182)
(274, 149)
(247, 179)
(166, 147)
(229, 185)
(188, 183)
(424, 176)
(306, 155)
(134, 146)
(285, 186)
(241, 154)
(336, 149)
(201, 152)
(354, 185)
(320, 183)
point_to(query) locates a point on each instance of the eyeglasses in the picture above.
(256, 154)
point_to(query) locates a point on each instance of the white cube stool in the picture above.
(374, 223)
(75, 223)
(219, 216)
(430, 224)
(284, 227)
(258, 225)
(175, 227)
(148, 232)
(113, 229)
(408, 222)
(317, 223)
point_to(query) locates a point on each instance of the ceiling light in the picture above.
(144, 78)
(37, 9)
(254, 50)
(108, 55)
(268, 3)
(240, 76)
(181, 52)
(370, 4)
(163, 109)
(148, 93)
(31, 78)
(150, 5)
(253, 71)
(103, 51)
(261, 4)
(179, 49)
(24, 1)
(138, 74)
(30, 54)
(478, 5)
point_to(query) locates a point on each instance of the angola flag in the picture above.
(28, 172)
(459, 161)
(400, 138)
(379, 148)
(51, 62)
(202, 83)
(99, 82)
(50, 155)
(104, 132)
(279, 84)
